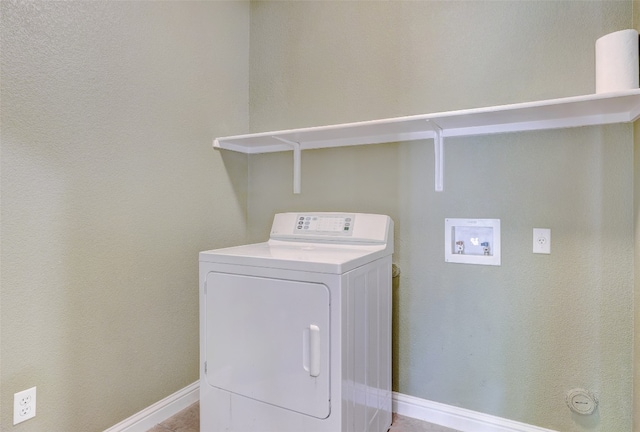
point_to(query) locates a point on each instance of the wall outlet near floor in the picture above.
(24, 405)
(542, 240)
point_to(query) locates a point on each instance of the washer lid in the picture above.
(315, 257)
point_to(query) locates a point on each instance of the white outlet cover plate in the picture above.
(542, 240)
(24, 405)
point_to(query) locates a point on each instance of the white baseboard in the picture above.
(159, 411)
(457, 418)
(408, 406)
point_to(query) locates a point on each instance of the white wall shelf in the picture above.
(588, 110)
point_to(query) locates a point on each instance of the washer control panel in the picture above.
(335, 224)
(325, 227)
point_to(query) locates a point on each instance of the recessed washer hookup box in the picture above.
(472, 241)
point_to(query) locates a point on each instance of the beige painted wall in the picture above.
(110, 188)
(636, 357)
(511, 340)
(636, 225)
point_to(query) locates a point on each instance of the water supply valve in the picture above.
(485, 248)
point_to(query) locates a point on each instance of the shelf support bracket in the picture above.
(438, 148)
(297, 162)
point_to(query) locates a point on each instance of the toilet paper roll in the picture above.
(617, 61)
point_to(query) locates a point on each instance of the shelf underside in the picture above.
(597, 109)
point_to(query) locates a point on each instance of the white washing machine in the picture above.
(295, 332)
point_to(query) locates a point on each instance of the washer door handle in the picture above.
(314, 350)
(311, 350)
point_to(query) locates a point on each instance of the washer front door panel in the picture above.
(268, 339)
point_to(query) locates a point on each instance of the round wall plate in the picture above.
(581, 401)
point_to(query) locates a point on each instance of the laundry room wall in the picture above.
(509, 341)
(110, 188)
(636, 273)
(636, 219)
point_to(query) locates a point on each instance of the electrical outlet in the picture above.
(24, 405)
(542, 240)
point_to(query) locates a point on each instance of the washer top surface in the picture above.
(331, 243)
(321, 258)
